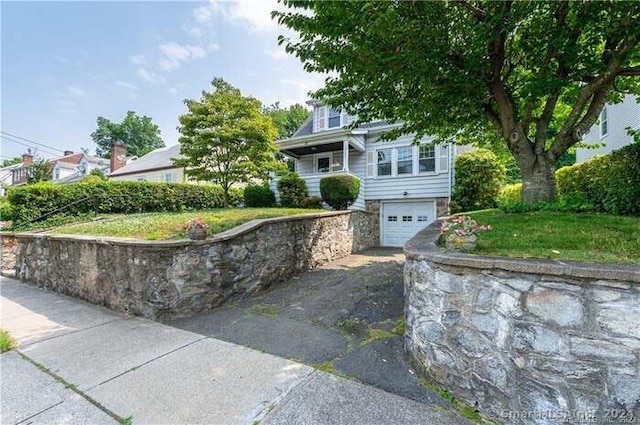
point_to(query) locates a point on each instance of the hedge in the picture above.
(292, 190)
(32, 201)
(478, 179)
(611, 183)
(339, 191)
(259, 196)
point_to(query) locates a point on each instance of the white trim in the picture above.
(318, 156)
(604, 121)
(403, 201)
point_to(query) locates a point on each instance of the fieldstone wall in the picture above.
(8, 247)
(527, 342)
(174, 278)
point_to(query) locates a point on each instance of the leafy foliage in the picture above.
(226, 139)
(479, 177)
(610, 182)
(505, 71)
(40, 171)
(287, 120)
(311, 202)
(98, 173)
(10, 161)
(6, 210)
(138, 134)
(32, 201)
(510, 194)
(292, 190)
(259, 196)
(339, 191)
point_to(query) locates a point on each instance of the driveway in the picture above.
(345, 318)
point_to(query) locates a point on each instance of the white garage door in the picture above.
(403, 219)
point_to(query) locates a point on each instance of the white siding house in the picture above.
(406, 185)
(156, 166)
(611, 129)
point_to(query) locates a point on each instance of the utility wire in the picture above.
(30, 146)
(31, 141)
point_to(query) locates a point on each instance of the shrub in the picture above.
(311, 202)
(610, 183)
(510, 194)
(98, 173)
(259, 196)
(479, 177)
(339, 191)
(92, 179)
(6, 210)
(32, 201)
(292, 190)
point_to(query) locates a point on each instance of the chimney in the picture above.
(67, 153)
(27, 159)
(118, 155)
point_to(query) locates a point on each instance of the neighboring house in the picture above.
(407, 185)
(73, 167)
(156, 166)
(611, 128)
(7, 173)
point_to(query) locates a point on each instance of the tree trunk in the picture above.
(538, 180)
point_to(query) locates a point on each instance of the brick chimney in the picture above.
(118, 155)
(27, 159)
(67, 153)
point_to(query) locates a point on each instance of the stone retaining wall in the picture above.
(9, 246)
(156, 279)
(525, 341)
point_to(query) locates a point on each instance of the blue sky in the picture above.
(66, 63)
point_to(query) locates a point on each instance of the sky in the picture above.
(64, 64)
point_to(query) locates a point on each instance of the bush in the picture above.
(478, 179)
(32, 201)
(510, 194)
(339, 191)
(259, 196)
(91, 179)
(311, 202)
(6, 210)
(98, 173)
(609, 183)
(292, 190)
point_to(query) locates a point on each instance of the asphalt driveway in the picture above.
(345, 318)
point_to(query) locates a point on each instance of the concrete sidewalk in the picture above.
(77, 363)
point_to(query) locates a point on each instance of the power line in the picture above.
(29, 146)
(31, 141)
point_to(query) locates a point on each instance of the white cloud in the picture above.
(174, 55)
(126, 85)
(298, 88)
(276, 53)
(149, 76)
(255, 15)
(138, 60)
(76, 91)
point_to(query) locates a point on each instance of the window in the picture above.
(604, 123)
(407, 218)
(423, 218)
(384, 162)
(427, 159)
(392, 218)
(405, 160)
(168, 177)
(323, 164)
(334, 118)
(141, 179)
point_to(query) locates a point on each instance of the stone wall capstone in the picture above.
(526, 341)
(158, 279)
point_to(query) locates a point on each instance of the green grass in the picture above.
(560, 236)
(162, 226)
(6, 342)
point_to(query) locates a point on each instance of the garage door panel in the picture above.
(402, 220)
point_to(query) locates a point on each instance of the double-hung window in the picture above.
(405, 160)
(334, 118)
(384, 162)
(427, 158)
(323, 164)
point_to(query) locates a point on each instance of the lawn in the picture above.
(560, 236)
(161, 226)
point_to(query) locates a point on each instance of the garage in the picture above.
(401, 220)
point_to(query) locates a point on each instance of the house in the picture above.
(73, 167)
(156, 166)
(9, 173)
(610, 131)
(407, 185)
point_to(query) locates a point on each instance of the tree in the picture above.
(138, 134)
(40, 171)
(287, 120)
(226, 139)
(465, 69)
(11, 161)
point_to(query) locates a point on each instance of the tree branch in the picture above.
(630, 72)
(476, 11)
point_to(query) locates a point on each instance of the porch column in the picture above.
(345, 155)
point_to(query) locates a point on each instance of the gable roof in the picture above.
(306, 128)
(157, 159)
